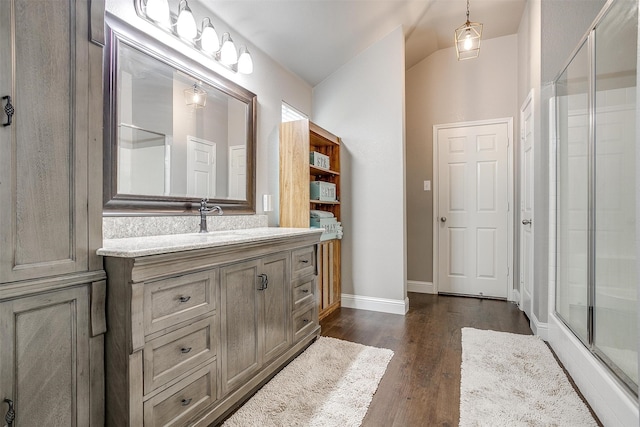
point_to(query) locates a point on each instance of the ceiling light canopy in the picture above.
(183, 25)
(467, 39)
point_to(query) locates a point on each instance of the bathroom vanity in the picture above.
(197, 322)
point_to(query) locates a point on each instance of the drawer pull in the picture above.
(305, 320)
(185, 350)
(304, 291)
(184, 299)
(304, 261)
(185, 402)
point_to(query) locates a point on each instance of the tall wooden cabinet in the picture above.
(297, 140)
(51, 281)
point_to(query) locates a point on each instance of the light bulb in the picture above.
(468, 43)
(158, 11)
(245, 63)
(228, 53)
(209, 38)
(186, 24)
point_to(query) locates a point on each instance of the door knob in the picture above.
(443, 219)
(526, 222)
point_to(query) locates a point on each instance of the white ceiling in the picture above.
(313, 38)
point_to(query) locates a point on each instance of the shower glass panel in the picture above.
(615, 302)
(572, 108)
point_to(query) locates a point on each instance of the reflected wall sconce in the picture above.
(195, 96)
(467, 39)
(183, 25)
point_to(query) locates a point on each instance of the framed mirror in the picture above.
(175, 131)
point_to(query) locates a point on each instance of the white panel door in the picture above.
(201, 167)
(473, 210)
(238, 172)
(526, 207)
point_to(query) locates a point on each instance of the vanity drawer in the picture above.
(303, 323)
(171, 355)
(171, 301)
(303, 262)
(303, 291)
(175, 405)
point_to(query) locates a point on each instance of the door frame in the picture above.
(510, 177)
(529, 102)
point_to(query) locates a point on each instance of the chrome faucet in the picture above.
(204, 210)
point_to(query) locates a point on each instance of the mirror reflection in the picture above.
(177, 135)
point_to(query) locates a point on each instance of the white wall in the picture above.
(441, 89)
(363, 103)
(271, 82)
(529, 72)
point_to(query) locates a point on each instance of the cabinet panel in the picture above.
(175, 405)
(276, 305)
(303, 262)
(173, 354)
(240, 324)
(174, 300)
(303, 291)
(45, 358)
(43, 153)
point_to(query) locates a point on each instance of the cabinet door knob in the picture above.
(11, 414)
(443, 219)
(184, 299)
(185, 402)
(185, 350)
(8, 110)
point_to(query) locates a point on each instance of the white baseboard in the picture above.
(538, 328)
(516, 298)
(421, 287)
(375, 304)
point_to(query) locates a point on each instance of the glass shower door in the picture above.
(572, 108)
(615, 302)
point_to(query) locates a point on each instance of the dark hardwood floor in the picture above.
(421, 386)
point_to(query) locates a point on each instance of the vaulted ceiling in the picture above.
(313, 38)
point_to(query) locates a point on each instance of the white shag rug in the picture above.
(330, 384)
(514, 380)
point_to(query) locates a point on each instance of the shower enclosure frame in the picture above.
(588, 42)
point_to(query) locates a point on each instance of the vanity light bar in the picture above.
(184, 27)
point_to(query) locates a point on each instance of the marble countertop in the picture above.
(153, 245)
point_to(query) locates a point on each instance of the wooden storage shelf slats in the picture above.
(297, 140)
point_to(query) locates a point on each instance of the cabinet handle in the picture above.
(8, 110)
(304, 291)
(11, 414)
(264, 282)
(184, 299)
(185, 350)
(304, 261)
(305, 320)
(185, 402)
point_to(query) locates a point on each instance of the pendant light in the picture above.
(195, 96)
(467, 39)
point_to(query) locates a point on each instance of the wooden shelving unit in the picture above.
(297, 140)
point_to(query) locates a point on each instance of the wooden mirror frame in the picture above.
(131, 204)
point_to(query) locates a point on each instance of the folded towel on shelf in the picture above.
(320, 214)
